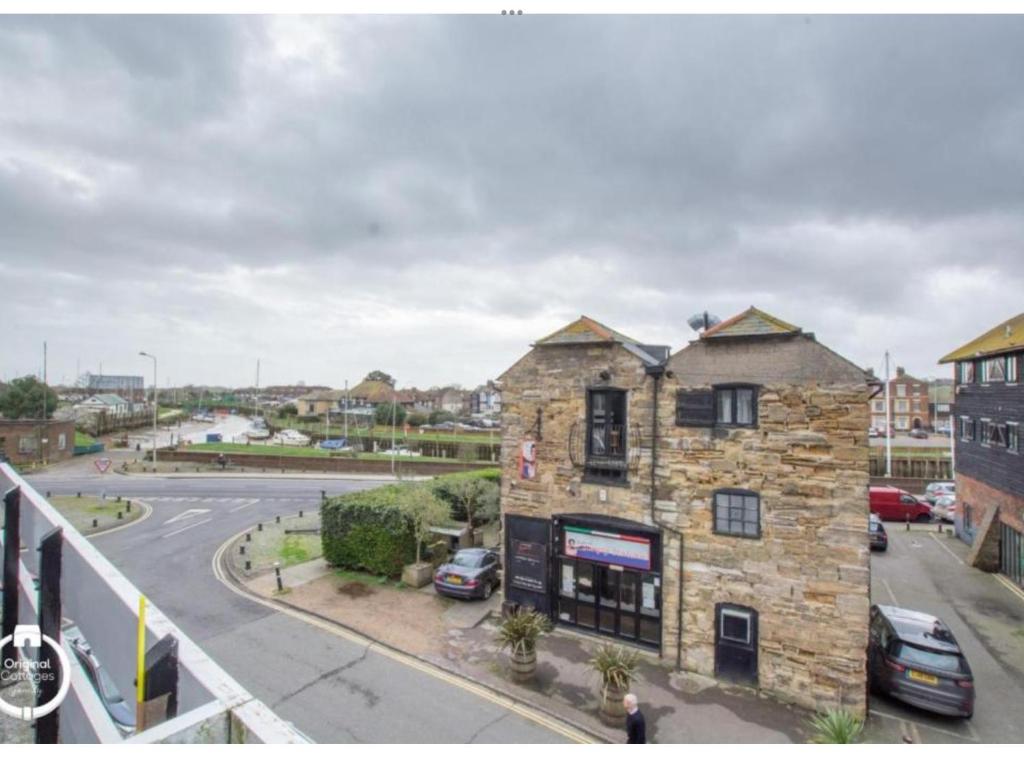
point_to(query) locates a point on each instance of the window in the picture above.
(966, 372)
(62, 441)
(901, 390)
(993, 369)
(901, 406)
(966, 428)
(606, 434)
(1012, 371)
(28, 444)
(878, 406)
(735, 626)
(993, 434)
(737, 513)
(1013, 437)
(902, 422)
(735, 406)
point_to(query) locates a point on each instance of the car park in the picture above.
(944, 508)
(894, 504)
(914, 658)
(876, 533)
(472, 573)
(934, 491)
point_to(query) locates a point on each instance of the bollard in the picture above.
(277, 572)
(79, 494)
(118, 499)
(103, 496)
(248, 565)
(248, 535)
(47, 494)
(940, 526)
(908, 522)
(259, 526)
(241, 549)
(277, 519)
(128, 506)
(95, 523)
(120, 515)
(323, 494)
(300, 513)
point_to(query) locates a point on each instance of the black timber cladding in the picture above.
(993, 465)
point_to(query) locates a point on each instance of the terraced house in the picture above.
(709, 505)
(989, 414)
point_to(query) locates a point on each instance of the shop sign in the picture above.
(610, 548)
(528, 566)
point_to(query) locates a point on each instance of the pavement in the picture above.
(925, 570)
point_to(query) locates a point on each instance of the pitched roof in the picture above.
(372, 391)
(750, 322)
(584, 331)
(1004, 337)
(312, 397)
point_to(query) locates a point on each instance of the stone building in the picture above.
(710, 505)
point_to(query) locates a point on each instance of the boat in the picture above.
(291, 437)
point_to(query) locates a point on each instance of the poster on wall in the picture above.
(609, 548)
(528, 460)
(528, 565)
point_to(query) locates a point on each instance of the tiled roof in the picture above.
(750, 322)
(1004, 337)
(584, 331)
(372, 391)
(320, 394)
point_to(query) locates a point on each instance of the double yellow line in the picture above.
(540, 718)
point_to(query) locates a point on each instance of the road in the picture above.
(904, 441)
(334, 689)
(924, 570)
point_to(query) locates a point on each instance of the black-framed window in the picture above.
(606, 435)
(737, 513)
(966, 429)
(736, 406)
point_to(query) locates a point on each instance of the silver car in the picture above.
(936, 491)
(944, 508)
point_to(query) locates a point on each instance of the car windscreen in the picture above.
(916, 656)
(467, 560)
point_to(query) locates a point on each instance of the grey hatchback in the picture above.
(914, 658)
(471, 573)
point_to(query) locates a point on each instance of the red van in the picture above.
(893, 504)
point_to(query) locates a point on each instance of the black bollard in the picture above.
(95, 523)
(47, 494)
(248, 535)
(323, 494)
(120, 515)
(248, 565)
(277, 519)
(277, 572)
(241, 549)
(259, 526)
(128, 506)
(908, 522)
(300, 513)
(79, 494)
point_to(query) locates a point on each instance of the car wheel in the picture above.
(487, 590)
(922, 518)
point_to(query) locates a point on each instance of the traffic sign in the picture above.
(102, 464)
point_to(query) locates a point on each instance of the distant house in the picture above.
(26, 441)
(112, 405)
(989, 414)
(320, 402)
(451, 399)
(415, 400)
(370, 393)
(940, 404)
(908, 404)
(485, 400)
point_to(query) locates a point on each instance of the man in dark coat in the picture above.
(636, 728)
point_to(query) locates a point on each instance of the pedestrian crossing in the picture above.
(225, 499)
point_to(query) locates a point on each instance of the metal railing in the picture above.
(104, 606)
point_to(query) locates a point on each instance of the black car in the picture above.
(876, 532)
(913, 657)
(471, 573)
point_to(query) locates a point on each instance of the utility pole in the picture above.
(394, 413)
(44, 437)
(888, 421)
(156, 407)
(346, 412)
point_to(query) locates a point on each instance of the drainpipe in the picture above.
(656, 372)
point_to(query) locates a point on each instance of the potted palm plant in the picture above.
(519, 632)
(617, 668)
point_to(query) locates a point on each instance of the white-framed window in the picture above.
(902, 422)
(1012, 370)
(966, 372)
(878, 422)
(28, 444)
(902, 406)
(1013, 437)
(993, 369)
(62, 442)
(966, 429)
(878, 406)
(735, 625)
(983, 430)
(901, 390)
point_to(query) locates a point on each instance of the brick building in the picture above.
(908, 404)
(710, 505)
(989, 414)
(31, 441)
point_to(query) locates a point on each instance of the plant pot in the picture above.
(611, 711)
(418, 575)
(524, 665)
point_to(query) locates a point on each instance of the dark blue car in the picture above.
(472, 573)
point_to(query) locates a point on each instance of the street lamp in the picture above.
(155, 406)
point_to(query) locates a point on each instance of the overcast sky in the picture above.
(428, 195)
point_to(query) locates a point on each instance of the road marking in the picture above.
(186, 515)
(539, 718)
(1010, 585)
(891, 595)
(187, 527)
(248, 504)
(910, 727)
(949, 551)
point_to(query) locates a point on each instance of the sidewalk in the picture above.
(461, 637)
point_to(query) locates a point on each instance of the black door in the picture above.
(736, 643)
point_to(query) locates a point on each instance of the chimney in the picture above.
(900, 372)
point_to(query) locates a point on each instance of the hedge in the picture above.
(366, 531)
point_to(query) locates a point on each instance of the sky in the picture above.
(428, 195)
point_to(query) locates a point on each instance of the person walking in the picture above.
(636, 728)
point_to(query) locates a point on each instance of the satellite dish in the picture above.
(703, 321)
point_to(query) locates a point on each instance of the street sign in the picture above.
(102, 464)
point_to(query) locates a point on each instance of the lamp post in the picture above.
(155, 406)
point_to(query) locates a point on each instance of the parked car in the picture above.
(913, 657)
(120, 711)
(893, 504)
(874, 432)
(877, 535)
(919, 434)
(944, 508)
(942, 431)
(934, 491)
(472, 573)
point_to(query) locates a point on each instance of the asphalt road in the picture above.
(336, 690)
(925, 571)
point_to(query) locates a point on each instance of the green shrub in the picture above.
(416, 419)
(836, 726)
(467, 492)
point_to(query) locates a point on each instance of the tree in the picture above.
(23, 398)
(439, 417)
(383, 414)
(288, 409)
(416, 419)
(424, 510)
(381, 376)
(475, 497)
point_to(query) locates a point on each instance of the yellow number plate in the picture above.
(923, 677)
(454, 579)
